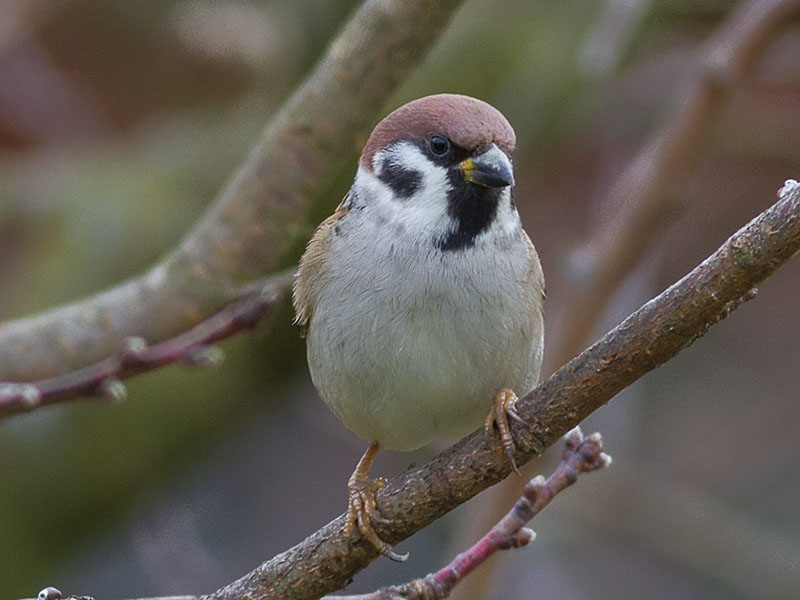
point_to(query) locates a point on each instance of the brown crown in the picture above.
(466, 121)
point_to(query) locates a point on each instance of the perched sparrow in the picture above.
(421, 296)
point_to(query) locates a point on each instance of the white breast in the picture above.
(408, 342)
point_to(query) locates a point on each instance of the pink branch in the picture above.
(193, 347)
(581, 455)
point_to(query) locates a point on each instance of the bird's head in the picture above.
(444, 162)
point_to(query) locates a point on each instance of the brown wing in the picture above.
(535, 284)
(312, 272)
(535, 275)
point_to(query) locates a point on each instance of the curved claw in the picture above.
(510, 455)
(362, 509)
(375, 517)
(512, 412)
(364, 516)
(504, 406)
(394, 556)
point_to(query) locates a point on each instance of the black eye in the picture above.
(439, 144)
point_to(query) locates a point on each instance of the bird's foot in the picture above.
(504, 406)
(362, 509)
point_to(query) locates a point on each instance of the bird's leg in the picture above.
(504, 406)
(361, 507)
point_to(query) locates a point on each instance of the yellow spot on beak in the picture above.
(467, 166)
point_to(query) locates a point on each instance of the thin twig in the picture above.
(103, 379)
(581, 455)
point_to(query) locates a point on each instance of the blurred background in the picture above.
(118, 124)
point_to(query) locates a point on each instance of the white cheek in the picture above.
(426, 210)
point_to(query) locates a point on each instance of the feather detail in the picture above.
(312, 270)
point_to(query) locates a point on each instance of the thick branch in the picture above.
(649, 195)
(581, 455)
(327, 559)
(253, 225)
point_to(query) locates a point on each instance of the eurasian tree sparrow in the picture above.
(421, 297)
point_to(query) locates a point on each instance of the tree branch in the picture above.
(581, 455)
(327, 559)
(254, 224)
(648, 195)
(103, 379)
(648, 192)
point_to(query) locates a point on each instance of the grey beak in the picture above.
(490, 169)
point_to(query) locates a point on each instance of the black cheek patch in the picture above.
(404, 182)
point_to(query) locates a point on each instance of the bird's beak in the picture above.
(490, 169)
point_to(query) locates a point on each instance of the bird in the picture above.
(421, 297)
